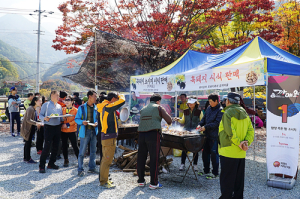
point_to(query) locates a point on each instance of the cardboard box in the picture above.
(166, 151)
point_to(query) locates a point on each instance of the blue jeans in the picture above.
(210, 152)
(90, 136)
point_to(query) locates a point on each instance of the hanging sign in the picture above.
(248, 74)
(283, 124)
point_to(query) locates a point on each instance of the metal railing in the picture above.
(4, 103)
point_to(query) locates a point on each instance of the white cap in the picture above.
(191, 101)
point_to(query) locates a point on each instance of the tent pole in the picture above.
(254, 122)
(96, 87)
(175, 105)
(267, 82)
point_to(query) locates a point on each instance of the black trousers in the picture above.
(210, 152)
(65, 144)
(40, 139)
(27, 145)
(148, 142)
(52, 137)
(99, 144)
(12, 117)
(183, 157)
(232, 177)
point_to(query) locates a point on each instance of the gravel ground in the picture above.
(22, 180)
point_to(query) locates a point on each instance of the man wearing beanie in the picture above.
(235, 135)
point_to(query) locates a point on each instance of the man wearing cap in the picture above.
(235, 135)
(14, 102)
(210, 126)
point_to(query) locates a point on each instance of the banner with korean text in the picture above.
(248, 74)
(283, 124)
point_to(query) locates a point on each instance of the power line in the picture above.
(3, 8)
(32, 62)
(40, 72)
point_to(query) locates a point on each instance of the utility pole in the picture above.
(37, 89)
(96, 87)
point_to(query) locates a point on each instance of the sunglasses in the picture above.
(67, 100)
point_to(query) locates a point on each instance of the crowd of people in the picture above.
(93, 120)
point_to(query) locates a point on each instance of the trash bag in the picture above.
(177, 152)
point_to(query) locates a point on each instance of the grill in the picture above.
(192, 143)
(127, 133)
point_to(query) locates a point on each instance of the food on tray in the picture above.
(56, 114)
(251, 78)
(178, 132)
(128, 125)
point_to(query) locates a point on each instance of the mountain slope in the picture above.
(7, 69)
(23, 62)
(61, 68)
(19, 33)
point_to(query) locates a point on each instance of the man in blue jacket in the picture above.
(210, 125)
(86, 118)
(14, 102)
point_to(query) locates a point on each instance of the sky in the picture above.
(24, 7)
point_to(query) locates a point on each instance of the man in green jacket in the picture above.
(235, 135)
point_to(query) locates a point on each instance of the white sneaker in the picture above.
(158, 186)
(182, 167)
(142, 184)
(195, 168)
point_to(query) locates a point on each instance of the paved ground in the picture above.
(21, 180)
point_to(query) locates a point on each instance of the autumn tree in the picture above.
(7, 69)
(172, 25)
(56, 84)
(248, 19)
(288, 15)
(46, 93)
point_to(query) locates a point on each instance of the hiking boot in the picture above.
(108, 185)
(212, 176)
(81, 173)
(31, 161)
(182, 167)
(13, 134)
(158, 186)
(53, 166)
(66, 163)
(42, 170)
(18, 134)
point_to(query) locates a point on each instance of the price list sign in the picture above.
(283, 124)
